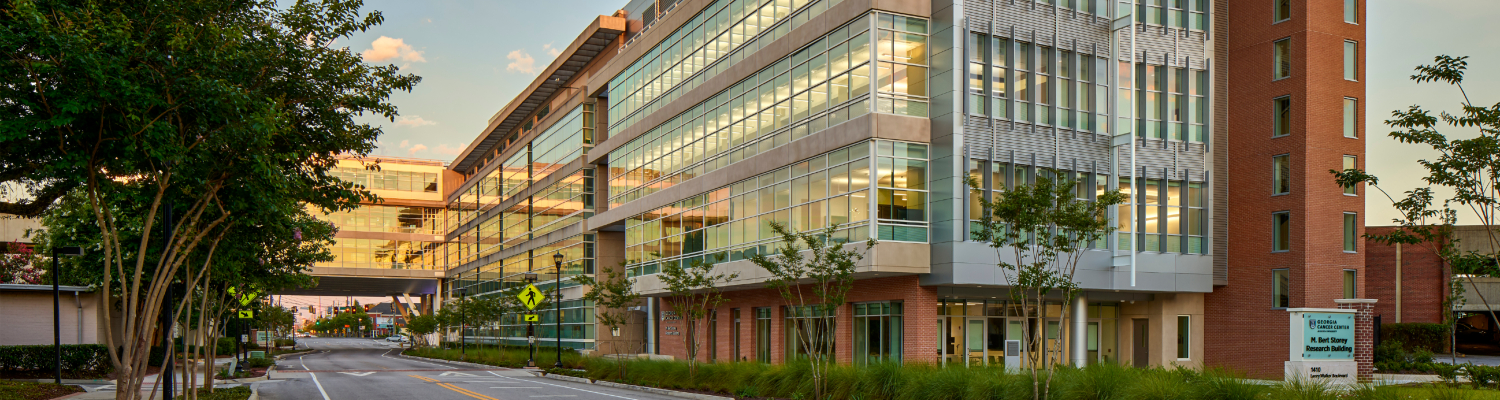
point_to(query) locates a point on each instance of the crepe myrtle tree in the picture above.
(813, 273)
(1469, 167)
(613, 295)
(694, 290)
(1045, 227)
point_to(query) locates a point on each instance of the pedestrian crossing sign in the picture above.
(530, 296)
(247, 314)
(532, 318)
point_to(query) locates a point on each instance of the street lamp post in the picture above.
(557, 259)
(57, 313)
(531, 330)
(463, 319)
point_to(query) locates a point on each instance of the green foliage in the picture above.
(90, 360)
(1416, 336)
(1448, 392)
(612, 296)
(260, 362)
(505, 356)
(1447, 372)
(1482, 376)
(1304, 390)
(234, 393)
(422, 325)
(694, 290)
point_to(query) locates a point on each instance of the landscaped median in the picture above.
(889, 381)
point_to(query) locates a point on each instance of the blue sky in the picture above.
(475, 56)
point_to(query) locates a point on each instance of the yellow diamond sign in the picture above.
(532, 318)
(530, 296)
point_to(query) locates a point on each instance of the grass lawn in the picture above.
(1443, 392)
(34, 391)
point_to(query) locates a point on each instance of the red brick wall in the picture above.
(919, 316)
(1423, 274)
(1246, 333)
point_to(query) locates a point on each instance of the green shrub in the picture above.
(260, 362)
(1482, 375)
(1222, 384)
(1431, 337)
(1298, 389)
(1389, 351)
(1447, 372)
(1448, 392)
(1375, 392)
(285, 342)
(1160, 385)
(1100, 382)
(1422, 356)
(86, 359)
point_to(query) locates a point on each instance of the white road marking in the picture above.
(361, 374)
(457, 374)
(314, 378)
(561, 386)
(557, 395)
(515, 387)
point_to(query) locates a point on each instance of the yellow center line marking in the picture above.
(423, 378)
(466, 392)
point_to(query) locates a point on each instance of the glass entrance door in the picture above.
(974, 348)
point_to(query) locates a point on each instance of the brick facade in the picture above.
(919, 336)
(1364, 335)
(1237, 313)
(1423, 274)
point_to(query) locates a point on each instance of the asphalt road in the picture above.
(365, 369)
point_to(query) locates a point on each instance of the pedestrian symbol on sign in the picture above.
(530, 296)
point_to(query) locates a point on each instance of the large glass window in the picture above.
(902, 70)
(1349, 163)
(1280, 286)
(1281, 231)
(1281, 116)
(1351, 60)
(902, 202)
(809, 330)
(1282, 58)
(877, 332)
(1184, 337)
(763, 334)
(1350, 284)
(1351, 232)
(820, 86)
(1351, 118)
(977, 74)
(1281, 174)
(1282, 10)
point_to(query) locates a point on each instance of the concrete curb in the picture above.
(652, 390)
(459, 363)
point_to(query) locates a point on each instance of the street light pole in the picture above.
(463, 319)
(557, 259)
(57, 313)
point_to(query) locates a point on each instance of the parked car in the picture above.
(397, 338)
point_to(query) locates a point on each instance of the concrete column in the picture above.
(1364, 335)
(1080, 350)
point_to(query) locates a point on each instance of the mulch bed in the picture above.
(34, 391)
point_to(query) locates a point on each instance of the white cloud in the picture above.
(414, 149)
(551, 52)
(446, 150)
(405, 143)
(412, 121)
(520, 62)
(386, 48)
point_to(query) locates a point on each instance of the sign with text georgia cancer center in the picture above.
(1321, 345)
(1328, 336)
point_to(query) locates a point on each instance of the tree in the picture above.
(205, 110)
(420, 326)
(1046, 227)
(814, 286)
(694, 291)
(612, 297)
(276, 319)
(1468, 167)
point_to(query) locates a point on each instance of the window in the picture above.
(999, 47)
(1281, 59)
(877, 332)
(1281, 231)
(1283, 10)
(1351, 60)
(977, 69)
(1351, 11)
(1184, 337)
(734, 335)
(763, 334)
(1281, 118)
(1350, 284)
(803, 322)
(1280, 283)
(1351, 232)
(1351, 118)
(1281, 174)
(1349, 163)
